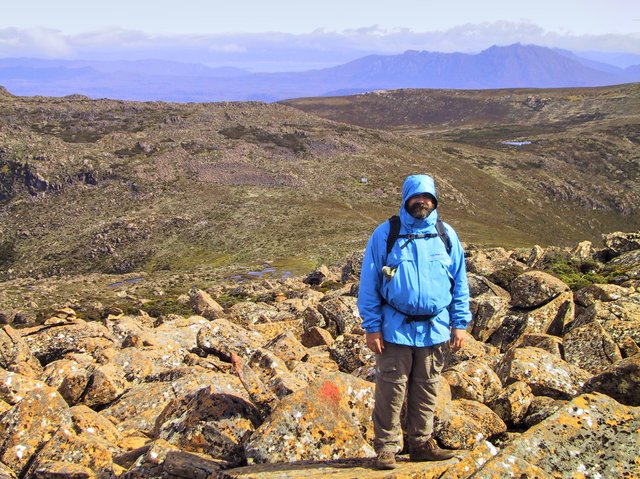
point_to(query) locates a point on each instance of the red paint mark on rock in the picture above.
(330, 392)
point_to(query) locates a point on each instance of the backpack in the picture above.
(394, 234)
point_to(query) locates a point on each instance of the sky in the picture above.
(294, 34)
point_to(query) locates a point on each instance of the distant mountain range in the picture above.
(514, 66)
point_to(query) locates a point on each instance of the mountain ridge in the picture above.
(496, 67)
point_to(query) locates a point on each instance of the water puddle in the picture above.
(516, 143)
(125, 282)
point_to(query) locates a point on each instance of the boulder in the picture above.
(621, 381)
(587, 296)
(533, 289)
(591, 436)
(316, 336)
(150, 463)
(321, 275)
(60, 470)
(69, 377)
(618, 243)
(138, 408)
(512, 403)
(29, 425)
(204, 305)
(340, 314)
(6, 473)
(473, 380)
(626, 335)
(489, 303)
(350, 352)
(467, 423)
(107, 384)
(352, 267)
(66, 447)
(591, 348)
(546, 374)
(181, 331)
(623, 309)
(548, 318)
(205, 422)
(329, 419)
(551, 344)
(582, 250)
(14, 387)
(287, 348)
(248, 313)
(541, 408)
(222, 337)
(488, 261)
(473, 349)
(88, 423)
(15, 355)
(49, 343)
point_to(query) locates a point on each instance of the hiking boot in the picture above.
(430, 451)
(386, 460)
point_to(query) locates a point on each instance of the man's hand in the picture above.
(374, 342)
(458, 338)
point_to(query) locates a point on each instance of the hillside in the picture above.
(116, 187)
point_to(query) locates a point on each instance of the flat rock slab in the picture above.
(340, 469)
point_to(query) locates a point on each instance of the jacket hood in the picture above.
(415, 185)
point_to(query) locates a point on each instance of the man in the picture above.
(412, 301)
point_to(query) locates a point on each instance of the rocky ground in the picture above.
(280, 385)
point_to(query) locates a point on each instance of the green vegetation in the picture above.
(579, 273)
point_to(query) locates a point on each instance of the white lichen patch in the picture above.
(20, 450)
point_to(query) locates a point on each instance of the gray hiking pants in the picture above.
(397, 367)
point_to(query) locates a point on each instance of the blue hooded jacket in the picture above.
(427, 280)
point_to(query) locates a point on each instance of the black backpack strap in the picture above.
(444, 236)
(394, 232)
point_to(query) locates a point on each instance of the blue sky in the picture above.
(294, 34)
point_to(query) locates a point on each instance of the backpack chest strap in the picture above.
(411, 237)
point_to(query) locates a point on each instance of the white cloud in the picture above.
(41, 42)
(274, 50)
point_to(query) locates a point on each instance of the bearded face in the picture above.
(421, 206)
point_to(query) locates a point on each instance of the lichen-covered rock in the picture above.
(26, 427)
(467, 423)
(551, 344)
(6, 473)
(512, 403)
(350, 352)
(70, 448)
(541, 408)
(287, 348)
(546, 374)
(621, 381)
(473, 380)
(489, 303)
(316, 336)
(14, 387)
(60, 470)
(209, 423)
(623, 309)
(548, 318)
(621, 242)
(532, 289)
(248, 313)
(15, 355)
(204, 305)
(328, 420)
(87, 422)
(150, 464)
(68, 377)
(588, 295)
(107, 383)
(591, 348)
(591, 436)
(626, 335)
(222, 337)
(139, 407)
(473, 349)
(182, 331)
(49, 343)
(341, 314)
(487, 261)
(511, 466)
